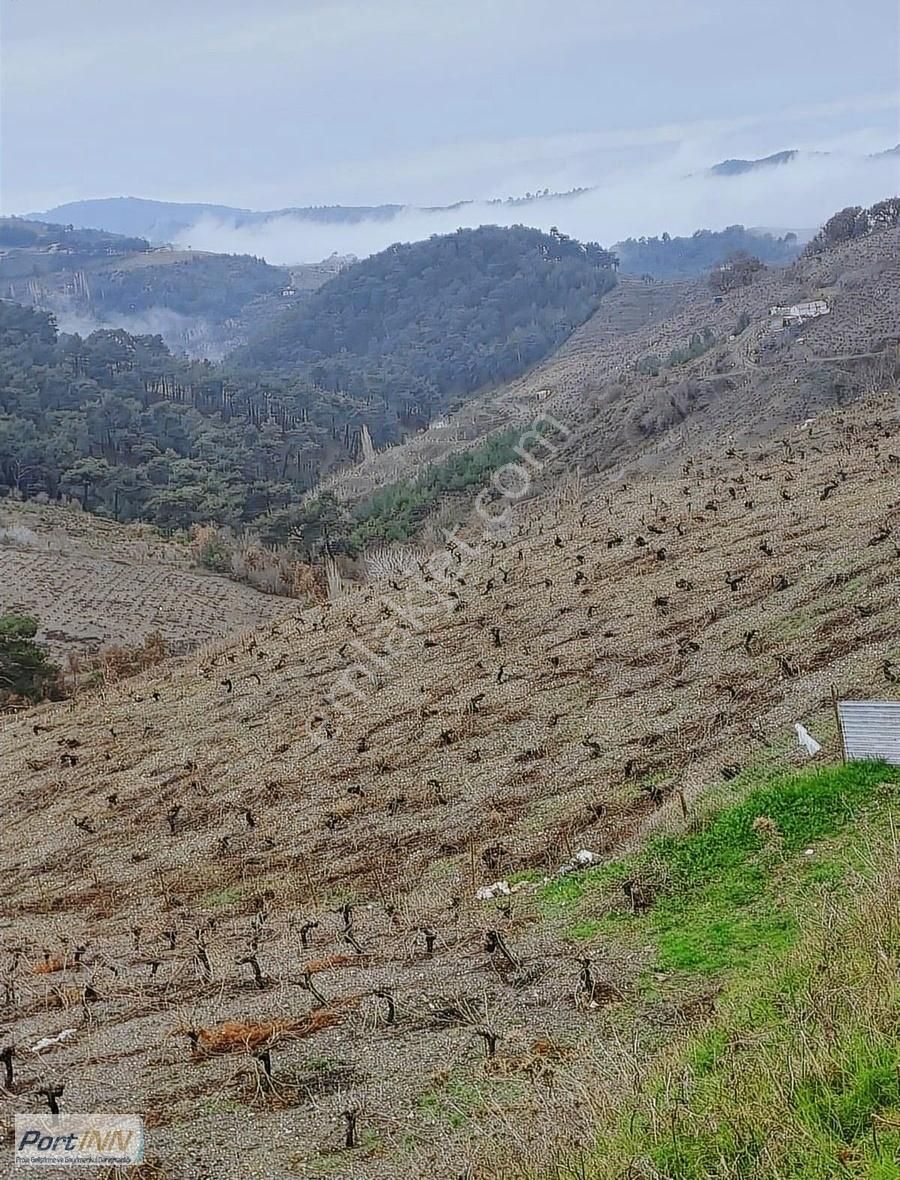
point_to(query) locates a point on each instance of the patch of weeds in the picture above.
(853, 588)
(228, 895)
(707, 1051)
(718, 910)
(452, 1104)
(526, 876)
(441, 869)
(795, 1071)
(803, 808)
(325, 1163)
(825, 872)
(843, 1099)
(709, 940)
(457, 1099)
(657, 778)
(583, 931)
(319, 1064)
(369, 1140)
(727, 885)
(798, 624)
(562, 892)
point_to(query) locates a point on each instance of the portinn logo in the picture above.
(64, 1140)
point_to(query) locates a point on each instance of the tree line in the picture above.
(856, 222)
(135, 432)
(667, 257)
(421, 325)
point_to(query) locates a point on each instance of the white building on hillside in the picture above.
(798, 312)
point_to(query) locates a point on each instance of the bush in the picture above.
(118, 661)
(25, 672)
(743, 323)
(211, 549)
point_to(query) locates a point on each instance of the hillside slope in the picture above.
(395, 749)
(627, 311)
(423, 324)
(92, 583)
(745, 384)
(201, 303)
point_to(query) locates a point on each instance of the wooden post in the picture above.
(309, 881)
(840, 728)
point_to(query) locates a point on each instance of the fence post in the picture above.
(840, 728)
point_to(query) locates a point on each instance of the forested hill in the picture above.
(669, 257)
(138, 433)
(200, 302)
(437, 319)
(64, 241)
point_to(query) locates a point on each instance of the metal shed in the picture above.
(870, 729)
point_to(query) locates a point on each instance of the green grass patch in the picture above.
(799, 1076)
(561, 893)
(803, 807)
(718, 908)
(454, 1102)
(583, 931)
(725, 891)
(228, 895)
(526, 876)
(796, 1074)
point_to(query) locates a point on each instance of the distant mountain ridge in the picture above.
(167, 221)
(738, 167)
(164, 221)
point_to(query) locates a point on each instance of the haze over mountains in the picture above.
(791, 188)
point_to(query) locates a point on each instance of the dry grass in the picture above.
(417, 799)
(94, 585)
(243, 1036)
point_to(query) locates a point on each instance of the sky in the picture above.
(274, 103)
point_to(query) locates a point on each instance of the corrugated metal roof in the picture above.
(871, 729)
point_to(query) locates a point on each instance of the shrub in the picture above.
(211, 549)
(25, 672)
(743, 323)
(118, 661)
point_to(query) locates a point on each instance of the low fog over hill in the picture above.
(793, 188)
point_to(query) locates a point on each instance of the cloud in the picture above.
(291, 102)
(191, 334)
(634, 202)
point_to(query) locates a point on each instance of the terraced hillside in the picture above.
(92, 582)
(599, 387)
(255, 892)
(628, 310)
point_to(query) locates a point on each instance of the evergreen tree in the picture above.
(24, 668)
